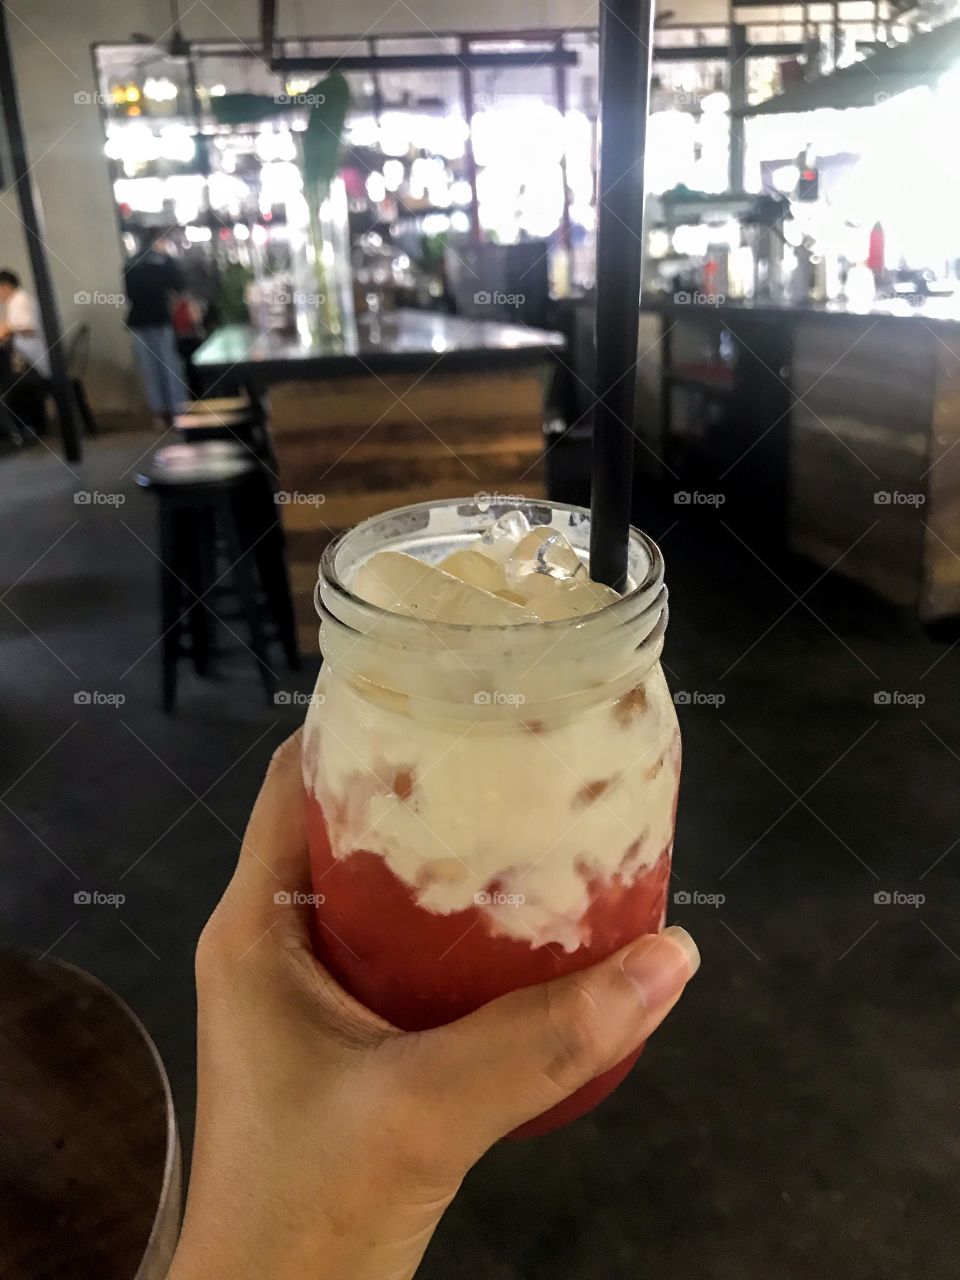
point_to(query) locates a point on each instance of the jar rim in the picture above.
(623, 609)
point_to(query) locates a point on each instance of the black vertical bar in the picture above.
(31, 214)
(466, 88)
(738, 100)
(626, 43)
(560, 89)
(377, 90)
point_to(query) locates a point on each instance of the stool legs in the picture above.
(243, 573)
(171, 622)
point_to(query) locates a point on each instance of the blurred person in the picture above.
(329, 1142)
(25, 362)
(154, 289)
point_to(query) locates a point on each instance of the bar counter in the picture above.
(830, 428)
(416, 406)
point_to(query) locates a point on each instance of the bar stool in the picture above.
(227, 418)
(219, 545)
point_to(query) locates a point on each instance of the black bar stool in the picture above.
(240, 419)
(220, 544)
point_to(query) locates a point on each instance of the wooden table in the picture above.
(90, 1178)
(415, 407)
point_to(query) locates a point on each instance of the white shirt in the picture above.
(22, 314)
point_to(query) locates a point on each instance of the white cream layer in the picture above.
(453, 806)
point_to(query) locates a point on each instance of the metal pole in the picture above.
(738, 100)
(626, 43)
(466, 91)
(32, 217)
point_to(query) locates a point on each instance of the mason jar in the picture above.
(487, 806)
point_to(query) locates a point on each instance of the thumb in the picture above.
(522, 1054)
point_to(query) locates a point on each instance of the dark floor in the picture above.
(796, 1118)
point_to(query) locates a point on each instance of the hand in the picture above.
(328, 1142)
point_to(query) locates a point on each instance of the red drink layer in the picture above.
(420, 969)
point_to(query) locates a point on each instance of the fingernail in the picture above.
(660, 967)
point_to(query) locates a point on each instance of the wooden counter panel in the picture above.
(365, 450)
(858, 453)
(941, 540)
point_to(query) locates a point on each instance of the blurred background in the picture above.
(269, 269)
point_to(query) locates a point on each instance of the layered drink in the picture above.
(491, 760)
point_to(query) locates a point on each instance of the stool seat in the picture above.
(217, 405)
(203, 463)
(89, 1151)
(230, 418)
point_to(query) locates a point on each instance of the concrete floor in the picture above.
(798, 1115)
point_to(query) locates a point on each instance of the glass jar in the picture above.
(488, 806)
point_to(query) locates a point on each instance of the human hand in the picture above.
(327, 1141)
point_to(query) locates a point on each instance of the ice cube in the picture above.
(503, 535)
(550, 599)
(543, 551)
(477, 569)
(401, 583)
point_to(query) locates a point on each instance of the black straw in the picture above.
(626, 43)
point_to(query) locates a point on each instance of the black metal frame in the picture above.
(31, 213)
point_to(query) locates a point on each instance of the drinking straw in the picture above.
(626, 43)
